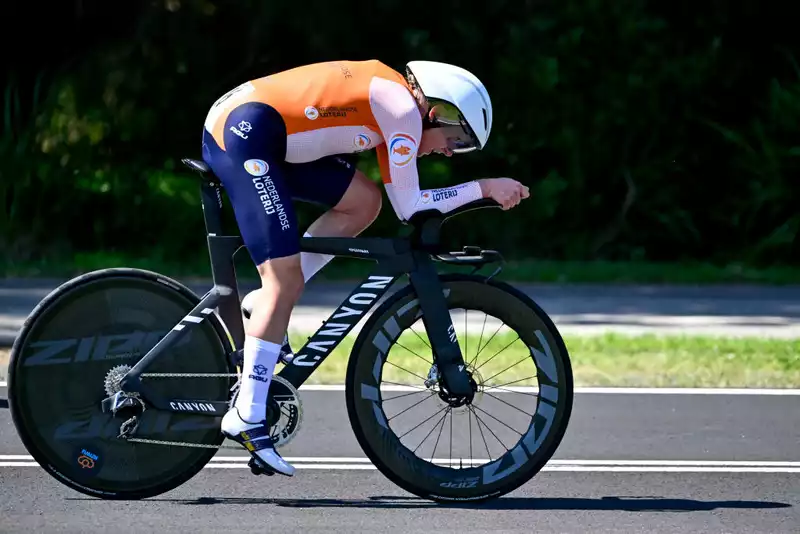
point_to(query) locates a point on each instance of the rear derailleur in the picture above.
(122, 403)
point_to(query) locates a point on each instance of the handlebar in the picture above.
(421, 216)
(428, 223)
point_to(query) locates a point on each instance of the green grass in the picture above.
(606, 360)
(349, 269)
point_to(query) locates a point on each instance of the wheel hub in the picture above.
(459, 401)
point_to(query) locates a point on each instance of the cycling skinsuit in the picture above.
(293, 135)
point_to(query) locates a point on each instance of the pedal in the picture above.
(259, 468)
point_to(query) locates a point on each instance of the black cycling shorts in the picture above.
(261, 185)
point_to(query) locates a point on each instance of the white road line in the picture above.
(586, 390)
(595, 390)
(573, 467)
(599, 466)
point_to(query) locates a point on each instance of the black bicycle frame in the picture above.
(414, 254)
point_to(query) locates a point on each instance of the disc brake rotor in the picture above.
(284, 411)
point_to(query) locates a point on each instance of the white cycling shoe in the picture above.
(256, 439)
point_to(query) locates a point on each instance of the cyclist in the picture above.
(293, 136)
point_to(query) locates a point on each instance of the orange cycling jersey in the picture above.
(342, 107)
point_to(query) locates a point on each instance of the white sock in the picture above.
(260, 357)
(312, 262)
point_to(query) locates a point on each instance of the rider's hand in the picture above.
(505, 191)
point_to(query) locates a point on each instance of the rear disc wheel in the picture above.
(72, 350)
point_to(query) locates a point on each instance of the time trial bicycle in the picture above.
(119, 378)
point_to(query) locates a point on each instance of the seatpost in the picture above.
(211, 197)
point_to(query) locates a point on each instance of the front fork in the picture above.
(436, 317)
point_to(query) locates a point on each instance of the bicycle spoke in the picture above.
(504, 402)
(419, 336)
(436, 424)
(412, 352)
(511, 390)
(403, 395)
(469, 419)
(421, 388)
(433, 454)
(485, 316)
(507, 368)
(422, 423)
(466, 337)
(451, 437)
(413, 405)
(478, 421)
(499, 421)
(480, 349)
(406, 370)
(492, 431)
(495, 356)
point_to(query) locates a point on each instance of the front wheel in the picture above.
(521, 375)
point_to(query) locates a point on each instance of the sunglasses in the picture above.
(444, 114)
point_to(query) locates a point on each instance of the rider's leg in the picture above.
(282, 284)
(350, 215)
(253, 172)
(354, 201)
(353, 213)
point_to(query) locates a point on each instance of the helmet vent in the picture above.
(485, 121)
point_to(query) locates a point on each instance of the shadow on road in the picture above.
(625, 504)
(3, 403)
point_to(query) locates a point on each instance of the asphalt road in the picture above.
(724, 310)
(635, 462)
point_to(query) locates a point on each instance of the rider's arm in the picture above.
(398, 117)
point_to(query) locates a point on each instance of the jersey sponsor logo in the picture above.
(402, 149)
(361, 141)
(256, 167)
(311, 113)
(442, 194)
(238, 132)
(241, 129)
(272, 202)
(425, 197)
(336, 111)
(345, 70)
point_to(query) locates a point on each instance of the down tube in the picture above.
(338, 325)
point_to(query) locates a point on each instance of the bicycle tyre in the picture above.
(382, 446)
(169, 301)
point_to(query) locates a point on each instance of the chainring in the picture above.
(284, 411)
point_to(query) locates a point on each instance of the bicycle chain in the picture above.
(183, 444)
(186, 443)
(192, 375)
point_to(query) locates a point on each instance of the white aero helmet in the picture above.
(459, 98)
